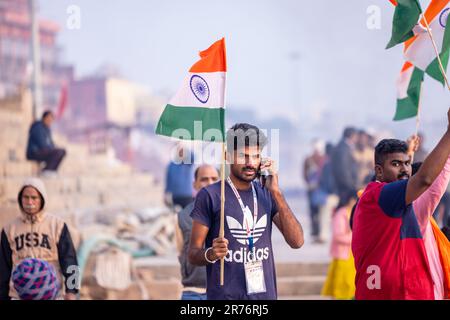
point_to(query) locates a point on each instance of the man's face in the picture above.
(396, 166)
(206, 175)
(31, 201)
(245, 163)
(48, 120)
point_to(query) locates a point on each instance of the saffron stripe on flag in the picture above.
(196, 112)
(408, 102)
(420, 51)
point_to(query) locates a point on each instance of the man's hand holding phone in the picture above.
(269, 175)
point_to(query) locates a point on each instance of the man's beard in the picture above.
(241, 174)
(402, 175)
(30, 209)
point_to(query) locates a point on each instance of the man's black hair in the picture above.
(362, 131)
(388, 146)
(245, 135)
(46, 113)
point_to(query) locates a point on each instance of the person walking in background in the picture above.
(312, 171)
(40, 146)
(340, 282)
(344, 166)
(327, 188)
(363, 154)
(179, 190)
(193, 278)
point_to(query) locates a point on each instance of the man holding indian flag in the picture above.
(243, 244)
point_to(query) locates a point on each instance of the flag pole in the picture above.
(222, 183)
(441, 68)
(417, 117)
(418, 109)
(222, 208)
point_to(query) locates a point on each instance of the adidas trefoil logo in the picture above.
(239, 231)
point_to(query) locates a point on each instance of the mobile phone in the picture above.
(262, 174)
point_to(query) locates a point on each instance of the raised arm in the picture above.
(427, 203)
(285, 219)
(288, 224)
(430, 168)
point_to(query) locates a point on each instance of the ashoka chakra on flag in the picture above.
(198, 108)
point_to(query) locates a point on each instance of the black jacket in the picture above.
(39, 138)
(344, 169)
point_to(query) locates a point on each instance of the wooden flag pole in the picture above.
(441, 68)
(417, 117)
(418, 109)
(222, 208)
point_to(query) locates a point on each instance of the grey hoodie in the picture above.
(42, 236)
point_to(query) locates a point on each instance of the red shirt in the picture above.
(390, 257)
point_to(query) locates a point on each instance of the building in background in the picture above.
(106, 110)
(15, 54)
(110, 100)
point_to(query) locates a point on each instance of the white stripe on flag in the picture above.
(421, 52)
(201, 90)
(403, 82)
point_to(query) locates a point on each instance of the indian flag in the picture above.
(408, 91)
(197, 111)
(419, 49)
(406, 16)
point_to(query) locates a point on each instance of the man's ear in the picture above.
(378, 171)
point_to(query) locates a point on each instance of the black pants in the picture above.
(52, 158)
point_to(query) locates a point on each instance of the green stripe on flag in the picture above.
(407, 107)
(406, 16)
(433, 69)
(192, 123)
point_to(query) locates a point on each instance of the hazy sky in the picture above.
(343, 74)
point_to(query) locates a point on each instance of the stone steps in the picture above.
(295, 281)
(304, 297)
(299, 269)
(300, 285)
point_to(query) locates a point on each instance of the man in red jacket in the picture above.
(390, 257)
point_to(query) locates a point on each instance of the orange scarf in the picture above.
(444, 253)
